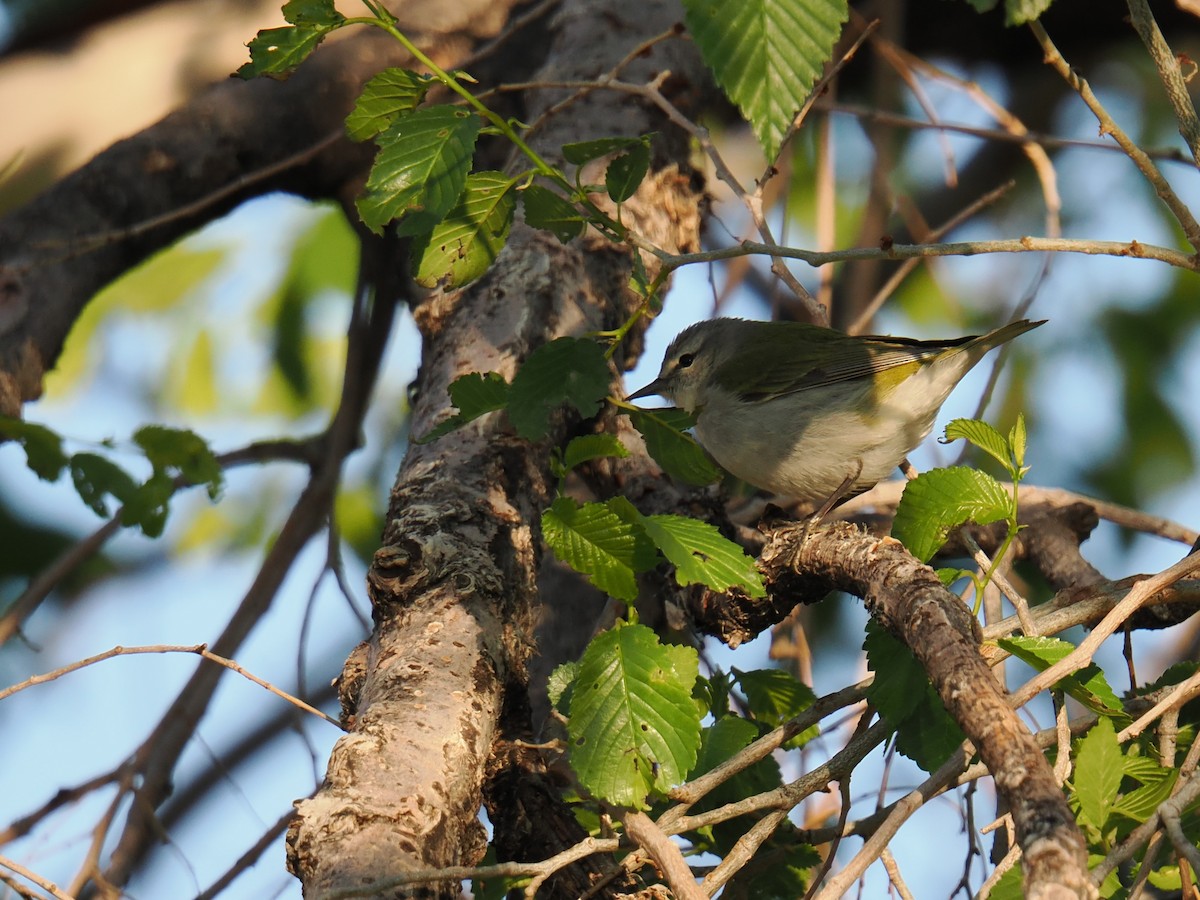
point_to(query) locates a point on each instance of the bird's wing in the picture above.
(830, 360)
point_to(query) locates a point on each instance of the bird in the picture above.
(808, 412)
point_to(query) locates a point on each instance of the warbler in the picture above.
(811, 413)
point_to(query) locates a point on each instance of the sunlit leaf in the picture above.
(766, 55)
(633, 728)
(465, 244)
(421, 169)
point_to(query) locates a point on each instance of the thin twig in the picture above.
(198, 649)
(1082, 655)
(1176, 697)
(1179, 209)
(893, 870)
(902, 271)
(1135, 249)
(29, 875)
(896, 120)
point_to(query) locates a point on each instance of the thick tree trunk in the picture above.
(454, 584)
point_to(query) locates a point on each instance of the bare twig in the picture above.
(198, 649)
(1175, 698)
(883, 117)
(893, 870)
(249, 858)
(902, 271)
(29, 875)
(1082, 655)
(1179, 209)
(1028, 244)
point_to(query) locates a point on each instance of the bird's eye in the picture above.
(686, 360)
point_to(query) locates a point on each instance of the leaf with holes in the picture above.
(634, 728)
(702, 555)
(421, 169)
(465, 244)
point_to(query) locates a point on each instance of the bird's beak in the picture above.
(654, 387)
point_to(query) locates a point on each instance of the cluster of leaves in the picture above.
(634, 711)
(1114, 789)
(610, 541)
(933, 505)
(175, 455)
(422, 178)
(634, 706)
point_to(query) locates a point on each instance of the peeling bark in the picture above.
(454, 585)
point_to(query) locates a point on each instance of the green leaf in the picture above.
(1088, 685)
(1020, 12)
(634, 728)
(596, 541)
(465, 244)
(901, 691)
(1017, 439)
(591, 446)
(585, 151)
(675, 451)
(559, 684)
(548, 211)
(312, 12)
(1141, 803)
(43, 448)
(942, 499)
(702, 555)
(474, 395)
(421, 169)
(626, 172)
(277, 51)
(776, 697)
(385, 98)
(96, 478)
(983, 436)
(566, 370)
(1009, 886)
(148, 506)
(766, 55)
(948, 576)
(1098, 772)
(1166, 878)
(185, 452)
(728, 736)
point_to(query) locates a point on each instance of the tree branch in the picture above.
(907, 599)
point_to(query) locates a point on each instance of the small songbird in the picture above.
(811, 413)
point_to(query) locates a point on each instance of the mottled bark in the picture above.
(907, 598)
(454, 585)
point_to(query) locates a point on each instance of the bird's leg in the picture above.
(838, 494)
